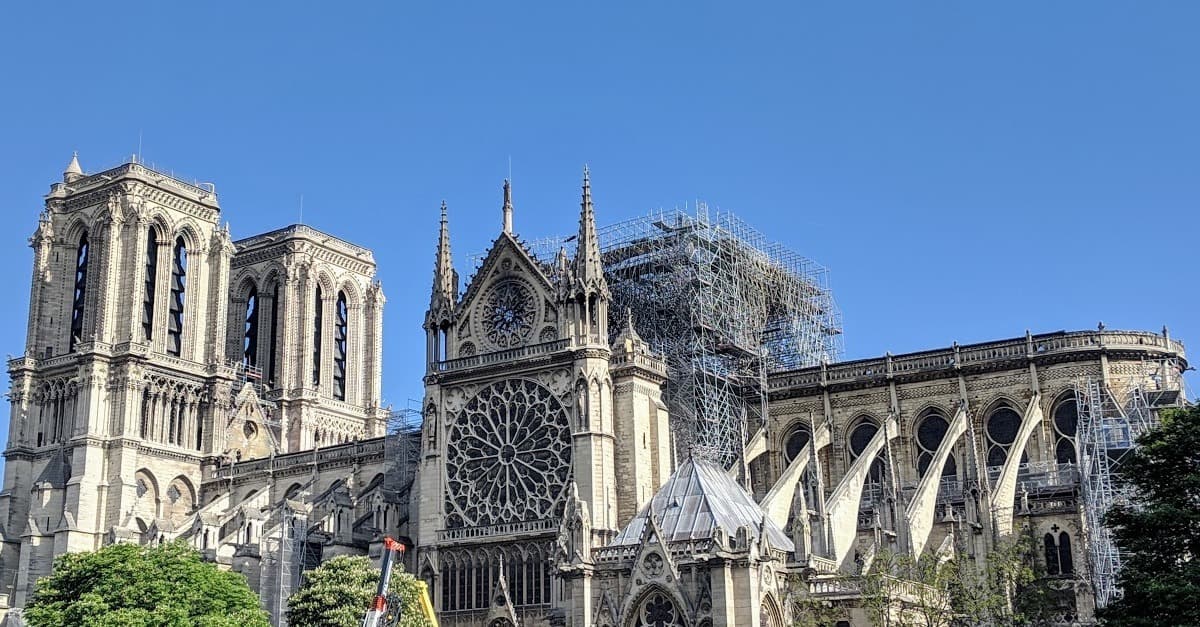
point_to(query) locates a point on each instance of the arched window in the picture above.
(274, 335)
(1058, 553)
(1066, 419)
(658, 610)
(81, 271)
(250, 338)
(931, 431)
(178, 285)
(151, 282)
(795, 442)
(1002, 427)
(1065, 561)
(860, 438)
(339, 348)
(1051, 554)
(318, 311)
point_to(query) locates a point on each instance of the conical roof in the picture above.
(697, 499)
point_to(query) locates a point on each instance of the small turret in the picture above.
(73, 171)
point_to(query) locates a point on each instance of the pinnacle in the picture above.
(73, 166)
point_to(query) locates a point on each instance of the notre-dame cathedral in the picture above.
(178, 384)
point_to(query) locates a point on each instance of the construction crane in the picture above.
(386, 608)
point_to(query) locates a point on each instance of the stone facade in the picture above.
(136, 387)
(177, 384)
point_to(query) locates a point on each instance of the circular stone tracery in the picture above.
(508, 456)
(508, 314)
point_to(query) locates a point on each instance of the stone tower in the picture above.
(306, 320)
(520, 424)
(124, 378)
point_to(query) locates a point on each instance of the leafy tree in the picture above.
(338, 592)
(126, 585)
(1160, 530)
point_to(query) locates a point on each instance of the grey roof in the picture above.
(56, 471)
(697, 499)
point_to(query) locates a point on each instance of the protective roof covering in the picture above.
(699, 498)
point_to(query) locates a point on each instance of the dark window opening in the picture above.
(1066, 420)
(1002, 427)
(151, 282)
(316, 352)
(339, 348)
(81, 270)
(178, 286)
(250, 337)
(796, 441)
(274, 335)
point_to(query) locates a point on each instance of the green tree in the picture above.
(1160, 531)
(338, 592)
(126, 585)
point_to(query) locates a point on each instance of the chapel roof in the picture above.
(696, 500)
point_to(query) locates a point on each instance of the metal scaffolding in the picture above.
(1110, 422)
(724, 306)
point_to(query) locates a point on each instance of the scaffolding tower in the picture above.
(724, 306)
(1110, 422)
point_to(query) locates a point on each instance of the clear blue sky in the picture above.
(966, 170)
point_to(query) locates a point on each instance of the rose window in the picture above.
(508, 456)
(658, 611)
(508, 314)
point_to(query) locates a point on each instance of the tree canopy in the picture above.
(126, 585)
(1159, 531)
(338, 592)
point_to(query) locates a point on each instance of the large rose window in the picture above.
(508, 314)
(508, 456)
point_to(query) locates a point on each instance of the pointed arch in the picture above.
(180, 261)
(656, 606)
(1000, 423)
(341, 339)
(83, 258)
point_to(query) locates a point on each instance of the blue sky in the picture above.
(965, 170)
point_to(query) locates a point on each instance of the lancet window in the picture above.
(340, 338)
(179, 268)
(274, 335)
(1058, 553)
(469, 578)
(250, 337)
(318, 322)
(82, 256)
(150, 284)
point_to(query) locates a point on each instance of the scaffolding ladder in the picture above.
(1107, 432)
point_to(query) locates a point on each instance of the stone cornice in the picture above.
(969, 359)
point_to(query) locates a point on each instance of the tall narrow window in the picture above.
(178, 283)
(317, 323)
(339, 348)
(250, 337)
(1051, 554)
(274, 335)
(1065, 561)
(151, 281)
(81, 268)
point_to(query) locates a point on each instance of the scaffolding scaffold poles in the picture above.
(724, 306)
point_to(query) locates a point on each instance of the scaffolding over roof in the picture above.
(725, 306)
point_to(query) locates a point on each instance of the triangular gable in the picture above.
(505, 247)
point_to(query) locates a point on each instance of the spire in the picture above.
(507, 207)
(444, 282)
(73, 170)
(588, 268)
